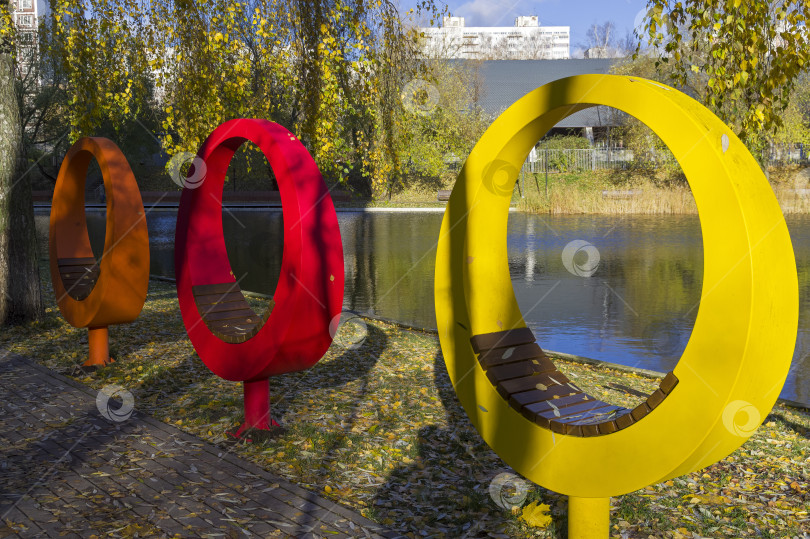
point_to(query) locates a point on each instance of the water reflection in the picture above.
(638, 308)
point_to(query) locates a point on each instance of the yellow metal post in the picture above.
(588, 518)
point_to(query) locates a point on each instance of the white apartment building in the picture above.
(26, 19)
(526, 40)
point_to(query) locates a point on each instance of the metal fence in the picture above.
(790, 154)
(558, 160)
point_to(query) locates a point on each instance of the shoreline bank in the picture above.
(600, 192)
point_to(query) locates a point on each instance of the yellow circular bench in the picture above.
(738, 355)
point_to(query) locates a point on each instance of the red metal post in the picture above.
(257, 406)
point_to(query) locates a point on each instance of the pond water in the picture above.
(638, 308)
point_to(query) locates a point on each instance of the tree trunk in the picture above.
(20, 296)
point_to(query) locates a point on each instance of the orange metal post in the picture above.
(99, 343)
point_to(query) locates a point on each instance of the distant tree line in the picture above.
(162, 74)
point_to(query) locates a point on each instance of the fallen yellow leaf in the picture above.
(536, 515)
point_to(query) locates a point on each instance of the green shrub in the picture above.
(565, 142)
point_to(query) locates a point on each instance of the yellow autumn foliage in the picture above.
(329, 70)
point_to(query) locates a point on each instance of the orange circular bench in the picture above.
(112, 290)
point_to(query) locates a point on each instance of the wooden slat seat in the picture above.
(527, 367)
(524, 398)
(502, 356)
(79, 276)
(227, 314)
(528, 380)
(535, 381)
(501, 339)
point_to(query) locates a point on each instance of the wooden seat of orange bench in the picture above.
(79, 276)
(528, 380)
(227, 314)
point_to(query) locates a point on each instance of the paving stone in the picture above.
(188, 488)
(17, 519)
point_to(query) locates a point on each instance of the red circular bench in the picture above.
(231, 339)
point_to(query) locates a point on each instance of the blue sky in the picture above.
(578, 14)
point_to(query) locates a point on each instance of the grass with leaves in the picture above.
(377, 427)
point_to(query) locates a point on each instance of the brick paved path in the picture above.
(66, 471)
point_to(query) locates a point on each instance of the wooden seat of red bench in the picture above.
(227, 314)
(79, 276)
(528, 380)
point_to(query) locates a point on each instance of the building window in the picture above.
(26, 4)
(26, 20)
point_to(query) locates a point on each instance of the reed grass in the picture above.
(583, 193)
(655, 193)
